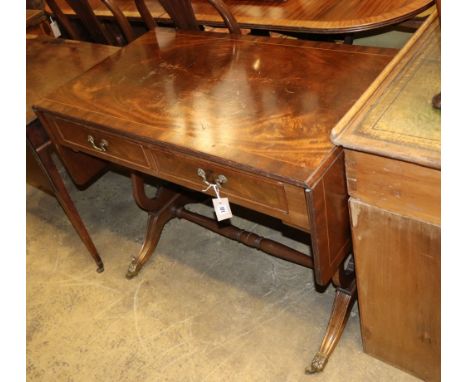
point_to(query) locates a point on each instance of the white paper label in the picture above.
(222, 208)
(55, 29)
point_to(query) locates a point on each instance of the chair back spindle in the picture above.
(94, 29)
(181, 12)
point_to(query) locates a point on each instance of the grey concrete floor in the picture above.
(203, 308)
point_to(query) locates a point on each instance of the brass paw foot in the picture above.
(317, 364)
(133, 269)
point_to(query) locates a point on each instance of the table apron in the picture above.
(274, 198)
(321, 210)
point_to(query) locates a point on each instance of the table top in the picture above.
(225, 97)
(51, 62)
(395, 117)
(311, 16)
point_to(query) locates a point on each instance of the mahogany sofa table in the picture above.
(50, 63)
(179, 106)
(295, 16)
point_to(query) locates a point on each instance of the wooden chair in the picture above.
(94, 30)
(181, 12)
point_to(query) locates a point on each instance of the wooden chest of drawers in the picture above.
(392, 151)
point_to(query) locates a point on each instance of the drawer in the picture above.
(283, 201)
(400, 187)
(105, 145)
(261, 193)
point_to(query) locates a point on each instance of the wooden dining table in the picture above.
(213, 114)
(50, 63)
(294, 16)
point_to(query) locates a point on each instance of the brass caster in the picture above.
(317, 364)
(100, 268)
(133, 269)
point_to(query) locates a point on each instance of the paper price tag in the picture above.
(222, 208)
(55, 28)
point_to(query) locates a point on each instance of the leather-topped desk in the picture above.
(50, 63)
(297, 16)
(256, 111)
(392, 150)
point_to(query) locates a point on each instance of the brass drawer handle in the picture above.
(220, 179)
(102, 145)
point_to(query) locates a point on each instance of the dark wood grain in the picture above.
(225, 99)
(311, 16)
(317, 16)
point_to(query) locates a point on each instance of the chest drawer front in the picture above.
(102, 144)
(405, 188)
(242, 188)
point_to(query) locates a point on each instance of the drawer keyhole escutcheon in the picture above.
(220, 179)
(102, 145)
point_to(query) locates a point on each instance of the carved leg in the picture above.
(345, 296)
(47, 164)
(160, 210)
(344, 300)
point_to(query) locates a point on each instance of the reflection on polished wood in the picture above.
(224, 97)
(171, 103)
(311, 16)
(45, 58)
